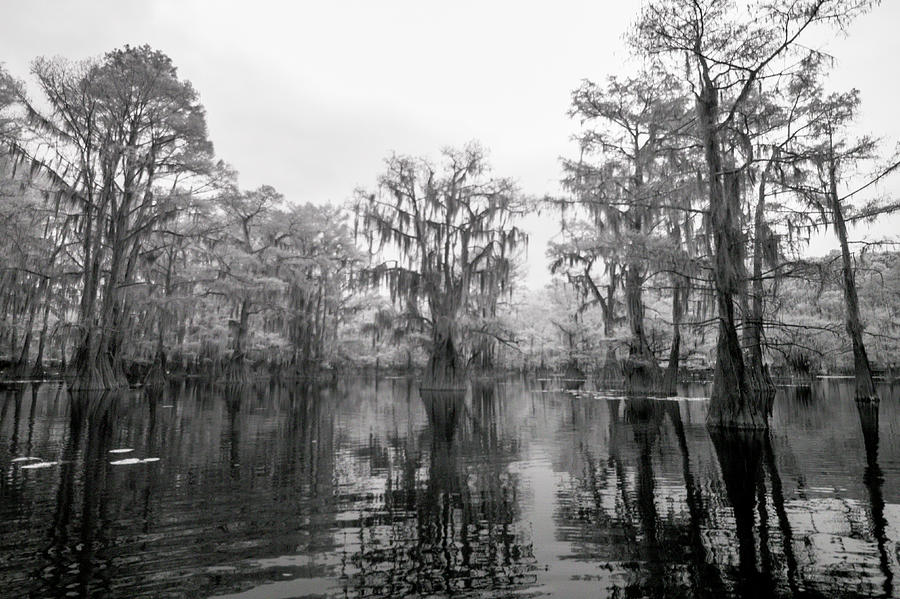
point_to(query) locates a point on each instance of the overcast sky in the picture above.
(310, 97)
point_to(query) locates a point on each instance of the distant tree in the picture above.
(318, 261)
(591, 261)
(443, 234)
(243, 261)
(171, 268)
(624, 182)
(826, 157)
(10, 90)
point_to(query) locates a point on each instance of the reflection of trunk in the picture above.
(443, 408)
(707, 576)
(58, 534)
(645, 416)
(740, 460)
(96, 490)
(76, 536)
(730, 402)
(865, 385)
(235, 396)
(484, 408)
(784, 523)
(874, 481)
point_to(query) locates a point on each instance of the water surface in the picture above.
(521, 488)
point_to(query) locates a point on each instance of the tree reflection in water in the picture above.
(513, 489)
(873, 478)
(456, 531)
(736, 539)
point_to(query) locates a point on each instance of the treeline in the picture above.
(559, 329)
(128, 249)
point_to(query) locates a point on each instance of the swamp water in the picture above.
(520, 489)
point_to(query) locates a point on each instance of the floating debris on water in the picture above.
(129, 461)
(39, 465)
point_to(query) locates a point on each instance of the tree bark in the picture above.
(670, 378)
(731, 404)
(757, 372)
(641, 368)
(865, 385)
(238, 370)
(443, 370)
(38, 370)
(22, 362)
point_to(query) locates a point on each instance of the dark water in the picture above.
(521, 489)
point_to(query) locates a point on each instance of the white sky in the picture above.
(310, 97)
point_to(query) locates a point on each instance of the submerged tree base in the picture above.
(743, 411)
(97, 379)
(868, 399)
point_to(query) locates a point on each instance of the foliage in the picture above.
(450, 229)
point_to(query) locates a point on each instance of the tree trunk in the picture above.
(865, 385)
(238, 370)
(38, 370)
(757, 372)
(443, 370)
(158, 374)
(641, 368)
(670, 378)
(90, 367)
(731, 404)
(22, 363)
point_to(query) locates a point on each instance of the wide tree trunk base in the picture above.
(100, 376)
(156, 377)
(443, 370)
(236, 372)
(748, 413)
(20, 371)
(38, 372)
(612, 371)
(573, 376)
(641, 378)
